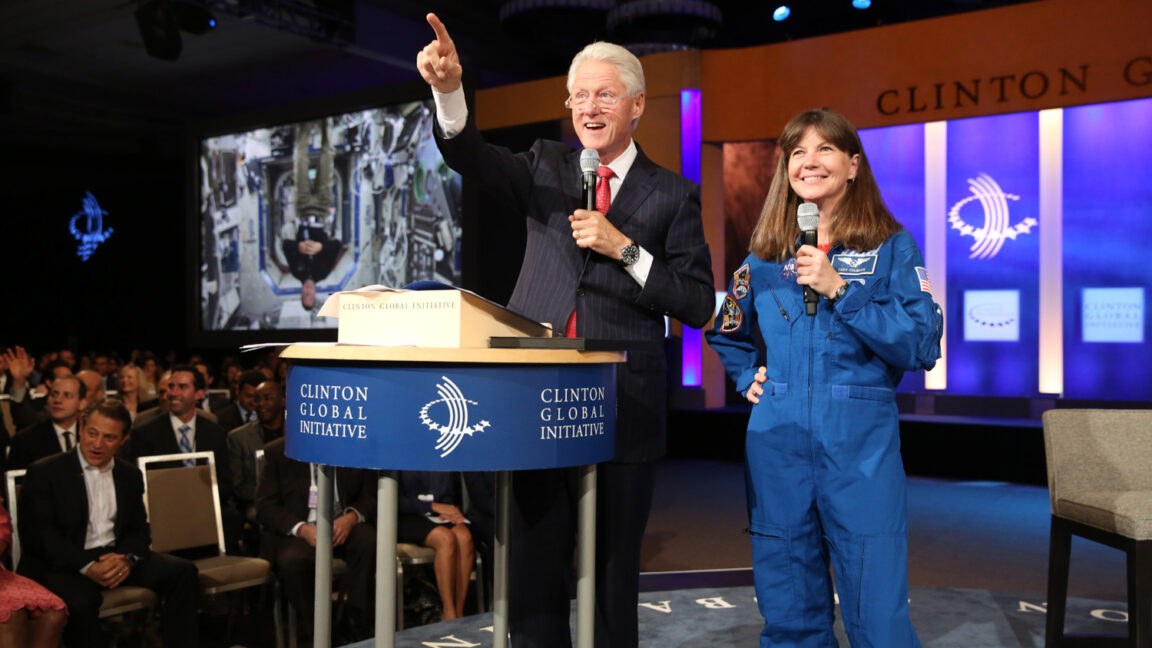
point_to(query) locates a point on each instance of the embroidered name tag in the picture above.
(854, 264)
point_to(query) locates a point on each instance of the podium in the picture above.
(449, 409)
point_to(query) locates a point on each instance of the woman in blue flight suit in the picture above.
(824, 475)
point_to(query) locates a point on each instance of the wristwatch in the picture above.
(839, 293)
(629, 254)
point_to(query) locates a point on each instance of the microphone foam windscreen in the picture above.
(808, 216)
(589, 161)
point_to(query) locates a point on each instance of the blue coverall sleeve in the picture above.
(896, 318)
(732, 338)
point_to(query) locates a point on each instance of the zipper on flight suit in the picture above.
(778, 305)
(811, 363)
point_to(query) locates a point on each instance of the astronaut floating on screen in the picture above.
(311, 251)
(327, 204)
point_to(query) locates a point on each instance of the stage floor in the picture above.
(967, 534)
(978, 561)
(719, 617)
(969, 543)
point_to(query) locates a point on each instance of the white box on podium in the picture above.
(450, 318)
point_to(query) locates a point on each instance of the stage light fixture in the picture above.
(158, 28)
(861, 4)
(194, 20)
(781, 13)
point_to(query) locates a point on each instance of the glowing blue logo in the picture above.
(990, 237)
(94, 233)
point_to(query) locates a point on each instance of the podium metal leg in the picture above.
(500, 559)
(586, 559)
(322, 603)
(387, 492)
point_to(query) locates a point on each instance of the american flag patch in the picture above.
(925, 285)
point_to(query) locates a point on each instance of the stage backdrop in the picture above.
(990, 219)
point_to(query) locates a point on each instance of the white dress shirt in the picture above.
(101, 506)
(60, 436)
(177, 424)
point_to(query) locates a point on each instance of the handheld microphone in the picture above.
(589, 165)
(808, 218)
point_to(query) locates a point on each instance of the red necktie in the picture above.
(603, 199)
(603, 191)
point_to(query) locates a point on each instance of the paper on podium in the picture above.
(447, 318)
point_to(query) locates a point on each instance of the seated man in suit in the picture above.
(94, 382)
(58, 432)
(161, 408)
(243, 409)
(286, 508)
(84, 531)
(244, 441)
(33, 408)
(184, 430)
(210, 401)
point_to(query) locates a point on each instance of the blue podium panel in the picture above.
(424, 416)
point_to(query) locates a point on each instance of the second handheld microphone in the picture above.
(808, 218)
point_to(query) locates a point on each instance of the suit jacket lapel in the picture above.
(48, 440)
(572, 182)
(118, 476)
(169, 443)
(639, 182)
(78, 506)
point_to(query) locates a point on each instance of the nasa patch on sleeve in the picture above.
(741, 279)
(731, 317)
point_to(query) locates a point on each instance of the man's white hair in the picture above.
(626, 63)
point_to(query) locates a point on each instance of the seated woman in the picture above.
(132, 390)
(429, 518)
(30, 615)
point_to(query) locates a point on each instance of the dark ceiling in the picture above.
(78, 70)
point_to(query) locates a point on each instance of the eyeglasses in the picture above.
(582, 99)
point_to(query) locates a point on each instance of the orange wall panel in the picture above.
(1024, 57)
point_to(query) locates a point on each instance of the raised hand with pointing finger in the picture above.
(438, 62)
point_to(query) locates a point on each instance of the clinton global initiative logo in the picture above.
(989, 238)
(87, 227)
(448, 416)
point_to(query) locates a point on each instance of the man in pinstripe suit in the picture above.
(608, 276)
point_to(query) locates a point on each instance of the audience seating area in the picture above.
(185, 501)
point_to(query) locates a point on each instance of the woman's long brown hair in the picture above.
(860, 221)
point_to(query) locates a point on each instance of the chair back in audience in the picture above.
(12, 479)
(183, 502)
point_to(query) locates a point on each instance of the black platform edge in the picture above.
(695, 579)
(949, 437)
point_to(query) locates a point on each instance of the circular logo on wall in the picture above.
(996, 228)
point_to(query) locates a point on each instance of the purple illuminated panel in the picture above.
(692, 339)
(690, 134)
(1106, 233)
